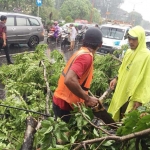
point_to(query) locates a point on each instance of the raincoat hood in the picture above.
(133, 76)
(138, 32)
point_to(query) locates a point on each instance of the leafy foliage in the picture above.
(68, 19)
(79, 9)
(57, 132)
(119, 53)
(25, 88)
(30, 7)
(105, 68)
(135, 18)
(135, 121)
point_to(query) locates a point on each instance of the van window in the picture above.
(126, 35)
(22, 21)
(34, 22)
(10, 21)
(147, 33)
(113, 33)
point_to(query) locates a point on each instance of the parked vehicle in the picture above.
(114, 36)
(90, 25)
(147, 33)
(24, 29)
(79, 26)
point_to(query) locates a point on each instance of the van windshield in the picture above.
(113, 33)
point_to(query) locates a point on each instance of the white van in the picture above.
(114, 36)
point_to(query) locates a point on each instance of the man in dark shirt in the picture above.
(3, 38)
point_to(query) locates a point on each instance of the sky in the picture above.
(140, 6)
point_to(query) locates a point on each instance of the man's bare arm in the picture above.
(4, 38)
(71, 81)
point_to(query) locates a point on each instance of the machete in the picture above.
(100, 112)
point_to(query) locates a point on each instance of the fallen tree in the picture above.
(28, 121)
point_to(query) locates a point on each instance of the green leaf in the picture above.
(53, 142)
(79, 122)
(72, 140)
(95, 132)
(49, 130)
(61, 136)
(108, 143)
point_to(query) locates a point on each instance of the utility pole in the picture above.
(38, 11)
(38, 3)
(133, 19)
(91, 17)
(107, 10)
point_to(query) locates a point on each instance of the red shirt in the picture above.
(2, 29)
(80, 65)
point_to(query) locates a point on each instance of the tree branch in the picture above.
(114, 57)
(100, 144)
(48, 89)
(110, 124)
(91, 122)
(115, 138)
(29, 134)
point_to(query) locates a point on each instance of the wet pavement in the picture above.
(20, 48)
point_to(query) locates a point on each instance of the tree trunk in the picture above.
(31, 124)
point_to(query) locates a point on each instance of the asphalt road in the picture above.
(15, 49)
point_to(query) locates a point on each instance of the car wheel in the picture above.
(33, 41)
(148, 45)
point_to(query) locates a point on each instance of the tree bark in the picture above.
(31, 124)
(48, 89)
(114, 137)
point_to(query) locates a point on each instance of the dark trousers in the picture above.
(63, 114)
(5, 50)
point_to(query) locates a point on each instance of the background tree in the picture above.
(58, 3)
(78, 9)
(134, 18)
(17, 5)
(107, 5)
(92, 10)
(145, 24)
(75, 9)
(46, 8)
(68, 19)
(30, 7)
(96, 16)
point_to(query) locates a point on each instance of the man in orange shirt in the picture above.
(75, 80)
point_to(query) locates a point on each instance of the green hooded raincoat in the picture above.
(133, 76)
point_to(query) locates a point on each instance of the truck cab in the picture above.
(114, 36)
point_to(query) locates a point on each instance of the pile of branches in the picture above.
(27, 120)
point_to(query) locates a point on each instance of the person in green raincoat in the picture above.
(133, 80)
